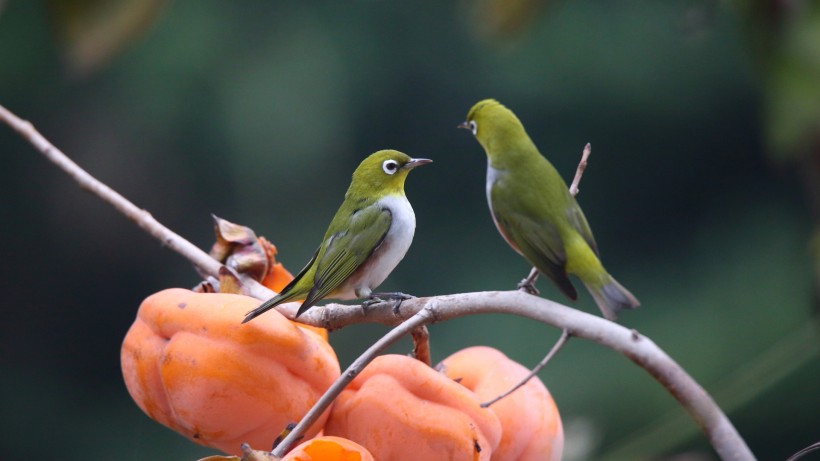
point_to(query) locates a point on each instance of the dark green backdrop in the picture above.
(259, 111)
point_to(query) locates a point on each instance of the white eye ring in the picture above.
(390, 166)
(473, 127)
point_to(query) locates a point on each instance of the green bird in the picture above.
(369, 235)
(534, 211)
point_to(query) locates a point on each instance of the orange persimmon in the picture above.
(190, 364)
(530, 421)
(329, 448)
(401, 409)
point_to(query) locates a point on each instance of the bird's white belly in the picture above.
(388, 255)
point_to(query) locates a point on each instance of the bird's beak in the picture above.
(414, 162)
(464, 125)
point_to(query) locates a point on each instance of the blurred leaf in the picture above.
(92, 32)
(503, 19)
(785, 37)
(793, 91)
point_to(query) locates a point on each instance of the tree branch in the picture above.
(141, 217)
(638, 348)
(422, 311)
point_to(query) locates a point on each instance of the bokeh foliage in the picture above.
(703, 118)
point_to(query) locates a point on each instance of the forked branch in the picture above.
(422, 311)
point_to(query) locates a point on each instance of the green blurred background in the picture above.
(704, 119)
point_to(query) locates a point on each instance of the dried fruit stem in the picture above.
(421, 345)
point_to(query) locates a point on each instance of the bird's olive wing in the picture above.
(348, 249)
(539, 242)
(579, 222)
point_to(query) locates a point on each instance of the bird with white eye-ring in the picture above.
(535, 213)
(370, 233)
(390, 166)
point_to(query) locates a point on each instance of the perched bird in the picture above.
(367, 238)
(534, 211)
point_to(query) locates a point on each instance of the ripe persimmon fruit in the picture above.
(329, 448)
(530, 422)
(190, 364)
(401, 409)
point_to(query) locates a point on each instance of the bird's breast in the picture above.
(493, 176)
(387, 256)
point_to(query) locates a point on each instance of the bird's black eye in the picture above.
(390, 166)
(473, 126)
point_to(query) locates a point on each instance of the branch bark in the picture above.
(139, 216)
(720, 432)
(422, 311)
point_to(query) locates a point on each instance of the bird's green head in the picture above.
(493, 125)
(383, 173)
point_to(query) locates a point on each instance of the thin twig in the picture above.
(139, 216)
(420, 318)
(557, 347)
(641, 350)
(527, 284)
(582, 165)
(804, 452)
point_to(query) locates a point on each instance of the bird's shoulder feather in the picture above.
(348, 248)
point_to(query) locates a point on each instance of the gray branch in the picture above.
(422, 311)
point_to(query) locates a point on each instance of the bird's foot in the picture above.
(370, 302)
(528, 285)
(396, 297)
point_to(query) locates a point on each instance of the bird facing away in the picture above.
(534, 211)
(367, 238)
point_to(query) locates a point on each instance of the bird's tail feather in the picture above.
(612, 297)
(268, 305)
